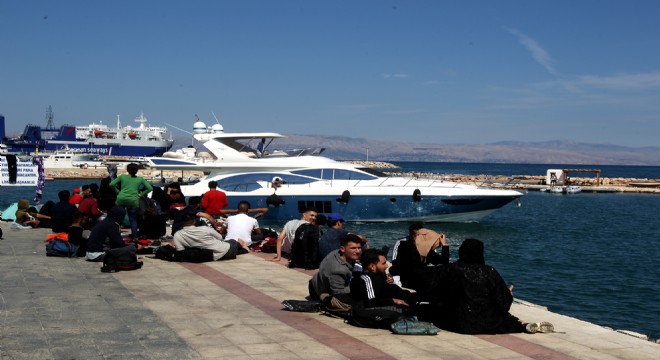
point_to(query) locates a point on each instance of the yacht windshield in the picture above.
(374, 172)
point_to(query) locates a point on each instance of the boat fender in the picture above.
(345, 197)
(274, 201)
(417, 195)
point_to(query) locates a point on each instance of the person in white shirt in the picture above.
(204, 237)
(241, 226)
(285, 239)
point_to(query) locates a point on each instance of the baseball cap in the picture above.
(335, 217)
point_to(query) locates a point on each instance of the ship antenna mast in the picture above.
(216, 119)
(141, 119)
(49, 118)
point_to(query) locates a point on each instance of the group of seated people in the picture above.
(466, 296)
(93, 221)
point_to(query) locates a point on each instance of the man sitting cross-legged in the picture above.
(204, 237)
(374, 287)
(331, 284)
(377, 301)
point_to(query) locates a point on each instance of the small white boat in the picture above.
(68, 159)
(572, 189)
(563, 189)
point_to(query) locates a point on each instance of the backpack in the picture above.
(339, 305)
(57, 247)
(305, 247)
(165, 252)
(194, 255)
(269, 245)
(380, 317)
(148, 206)
(302, 306)
(123, 258)
(412, 326)
(268, 232)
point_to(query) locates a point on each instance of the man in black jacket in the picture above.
(106, 234)
(416, 259)
(374, 287)
(62, 212)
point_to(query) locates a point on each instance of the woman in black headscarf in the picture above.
(475, 299)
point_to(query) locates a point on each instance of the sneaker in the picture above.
(17, 226)
(546, 327)
(542, 327)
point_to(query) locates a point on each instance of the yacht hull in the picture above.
(382, 208)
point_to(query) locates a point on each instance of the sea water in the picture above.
(590, 256)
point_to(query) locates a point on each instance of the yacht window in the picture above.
(374, 172)
(351, 175)
(334, 174)
(248, 182)
(317, 173)
(320, 206)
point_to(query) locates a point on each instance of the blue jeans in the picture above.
(133, 220)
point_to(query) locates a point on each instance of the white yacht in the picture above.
(247, 167)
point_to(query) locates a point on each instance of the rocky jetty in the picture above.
(374, 164)
(513, 181)
(99, 173)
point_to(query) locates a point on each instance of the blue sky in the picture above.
(470, 72)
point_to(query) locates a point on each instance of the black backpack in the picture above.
(165, 252)
(377, 317)
(194, 255)
(305, 248)
(119, 259)
(148, 206)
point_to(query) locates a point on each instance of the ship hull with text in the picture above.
(95, 138)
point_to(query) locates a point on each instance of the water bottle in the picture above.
(357, 267)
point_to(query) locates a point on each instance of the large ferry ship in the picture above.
(101, 139)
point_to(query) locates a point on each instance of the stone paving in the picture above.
(65, 308)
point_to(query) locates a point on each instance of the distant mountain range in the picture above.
(548, 152)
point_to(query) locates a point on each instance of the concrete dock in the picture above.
(66, 308)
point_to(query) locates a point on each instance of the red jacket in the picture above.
(75, 199)
(89, 207)
(213, 201)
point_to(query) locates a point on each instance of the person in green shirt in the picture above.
(132, 187)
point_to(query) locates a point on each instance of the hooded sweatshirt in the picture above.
(476, 299)
(22, 211)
